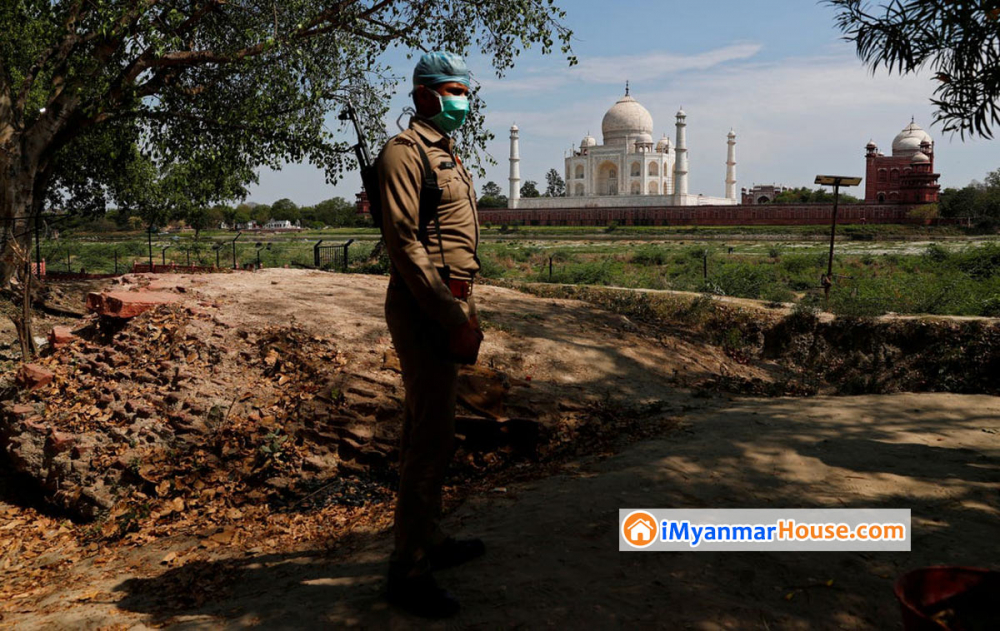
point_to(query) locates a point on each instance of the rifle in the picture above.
(430, 192)
(369, 171)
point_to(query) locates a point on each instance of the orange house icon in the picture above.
(640, 531)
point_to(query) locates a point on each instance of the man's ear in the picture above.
(426, 101)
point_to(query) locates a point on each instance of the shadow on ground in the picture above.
(553, 558)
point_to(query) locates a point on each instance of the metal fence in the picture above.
(334, 256)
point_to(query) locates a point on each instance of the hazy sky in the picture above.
(776, 71)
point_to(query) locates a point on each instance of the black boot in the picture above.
(454, 552)
(421, 596)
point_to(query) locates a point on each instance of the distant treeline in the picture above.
(334, 213)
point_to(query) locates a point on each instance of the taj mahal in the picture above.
(628, 169)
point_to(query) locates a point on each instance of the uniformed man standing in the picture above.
(432, 319)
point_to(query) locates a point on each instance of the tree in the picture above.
(285, 209)
(241, 214)
(530, 189)
(556, 186)
(198, 219)
(336, 212)
(958, 41)
(491, 189)
(216, 215)
(261, 213)
(804, 195)
(227, 86)
(493, 197)
(979, 201)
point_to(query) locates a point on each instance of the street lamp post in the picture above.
(836, 181)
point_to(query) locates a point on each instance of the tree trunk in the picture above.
(17, 188)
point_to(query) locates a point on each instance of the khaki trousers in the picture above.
(428, 439)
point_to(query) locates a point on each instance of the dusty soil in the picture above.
(551, 528)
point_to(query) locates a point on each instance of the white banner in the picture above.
(763, 529)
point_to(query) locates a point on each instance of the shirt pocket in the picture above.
(451, 185)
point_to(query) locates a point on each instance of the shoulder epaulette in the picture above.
(403, 140)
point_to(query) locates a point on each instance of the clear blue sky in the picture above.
(774, 70)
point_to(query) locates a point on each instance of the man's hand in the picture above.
(463, 342)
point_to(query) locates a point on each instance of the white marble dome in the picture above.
(920, 158)
(627, 117)
(908, 142)
(664, 144)
(588, 141)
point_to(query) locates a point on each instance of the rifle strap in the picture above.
(430, 194)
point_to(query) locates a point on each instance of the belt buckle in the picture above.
(460, 289)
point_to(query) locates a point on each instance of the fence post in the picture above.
(704, 270)
(346, 246)
(550, 269)
(316, 253)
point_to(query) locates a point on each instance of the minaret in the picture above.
(681, 164)
(515, 169)
(731, 167)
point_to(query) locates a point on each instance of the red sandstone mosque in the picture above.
(905, 177)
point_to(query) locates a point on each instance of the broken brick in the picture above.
(127, 304)
(33, 376)
(60, 336)
(59, 442)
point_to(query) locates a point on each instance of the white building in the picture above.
(628, 169)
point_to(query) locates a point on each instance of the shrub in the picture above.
(991, 307)
(937, 253)
(924, 213)
(745, 280)
(649, 255)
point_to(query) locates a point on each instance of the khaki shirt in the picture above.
(400, 171)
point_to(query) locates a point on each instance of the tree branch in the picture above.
(60, 52)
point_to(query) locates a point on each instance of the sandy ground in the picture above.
(553, 559)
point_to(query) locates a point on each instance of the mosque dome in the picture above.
(908, 142)
(588, 141)
(626, 118)
(663, 145)
(920, 158)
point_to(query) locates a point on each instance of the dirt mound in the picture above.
(806, 353)
(174, 408)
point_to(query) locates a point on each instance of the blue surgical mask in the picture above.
(454, 110)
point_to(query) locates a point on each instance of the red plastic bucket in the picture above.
(952, 598)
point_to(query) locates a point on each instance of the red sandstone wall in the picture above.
(778, 214)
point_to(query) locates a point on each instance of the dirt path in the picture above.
(553, 559)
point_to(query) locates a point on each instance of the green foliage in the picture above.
(960, 41)
(650, 255)
(979, 201)
(803, 195)
(492, 202)
(925, 212)
(555, 186)
(336, 212)
(285, 210)
(159, 108)
(530, 189)
(493, 197)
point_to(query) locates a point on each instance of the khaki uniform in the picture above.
(420, 310)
